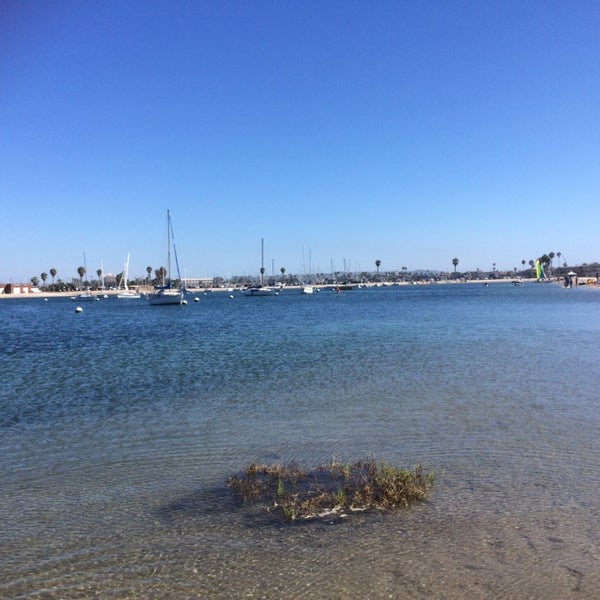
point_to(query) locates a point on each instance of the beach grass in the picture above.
(336, 489)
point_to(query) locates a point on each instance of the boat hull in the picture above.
(260, 291)
(166, 298)
(84, 298)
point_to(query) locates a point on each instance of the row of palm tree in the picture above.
(44, 275)
(546, 260)
(160, 275)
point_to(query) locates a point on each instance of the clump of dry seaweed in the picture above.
(334, 489)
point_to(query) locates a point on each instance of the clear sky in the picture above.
(341, 132)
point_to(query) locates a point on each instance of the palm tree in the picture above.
(455, 263)
(377, 264)
(523, 263)
(99, 273)
(149, 271)
(564, 259)
(53, 275)
(161, 275)
(282, 272)
(558, 255)
(81, 272)
(44, 276)
(551, 256)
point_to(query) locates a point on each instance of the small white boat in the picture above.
(308, 289)
(167, 295)
(126, 294)
(261, 289)
(84, 298)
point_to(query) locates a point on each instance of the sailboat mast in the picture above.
(262, 259)
(169, 247)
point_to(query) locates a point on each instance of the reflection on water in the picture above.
(120, 427)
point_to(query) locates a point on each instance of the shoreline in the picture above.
(113, 293)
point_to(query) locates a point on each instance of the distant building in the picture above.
(16, 288)
(197, 282)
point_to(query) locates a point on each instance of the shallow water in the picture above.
(120, 426)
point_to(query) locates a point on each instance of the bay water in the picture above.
(120, 425)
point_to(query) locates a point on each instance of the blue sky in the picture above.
(343, 132)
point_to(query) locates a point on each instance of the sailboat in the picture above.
(167, 295)
(307, 288)
(126, 294)
(261, 289)
(539, 271)
(85, 296)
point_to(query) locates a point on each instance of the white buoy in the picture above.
(231, 296)
(79, 309)
(184, 302)
(196, 299)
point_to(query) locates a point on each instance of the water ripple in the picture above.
(120, 426)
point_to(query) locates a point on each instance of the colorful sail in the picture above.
(539, 272)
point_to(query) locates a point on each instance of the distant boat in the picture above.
(129, 295)
(539, 271)
(84, 297)
(258, 290)
(167, 295)
(126, 294)
(307, 288)
(261, 289)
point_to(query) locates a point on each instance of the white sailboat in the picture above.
(307, 288)
(126, 294)
(261, 289)
(167, 295)
(86, 296)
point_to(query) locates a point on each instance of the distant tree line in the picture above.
(554, 265)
